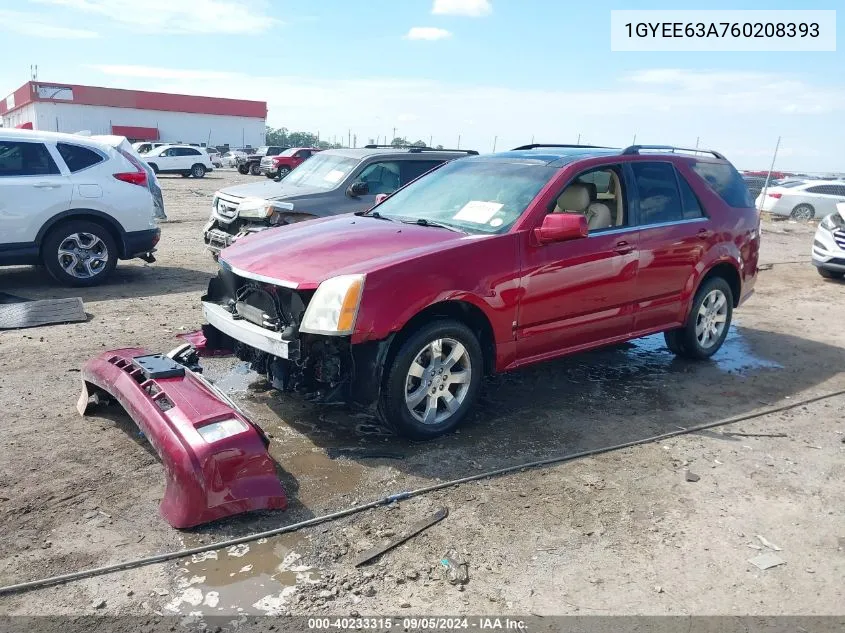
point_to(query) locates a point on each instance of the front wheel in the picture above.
(255, 169)
(283, 171)
(707, 323)
(79, 253)
(433, 380)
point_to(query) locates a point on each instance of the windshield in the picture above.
(289, 152)
(262, 151)
(323, 171)
(476, 196)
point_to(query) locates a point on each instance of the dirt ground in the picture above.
(620, 533)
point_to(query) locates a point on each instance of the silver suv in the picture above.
(329, 183)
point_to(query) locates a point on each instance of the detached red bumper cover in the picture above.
(215, 458)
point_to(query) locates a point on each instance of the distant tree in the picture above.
(276, 136)
(398, 142)
(418, 144)
(439, 147)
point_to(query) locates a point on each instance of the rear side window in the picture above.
(186, 151)
(827, 190)
(660, 200)
(77, 158)
(25, 159)
(689, 201)
(412, 169)
(725, 181)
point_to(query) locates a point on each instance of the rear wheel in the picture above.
(433, 380)
(707, 323)
(829, 274)
(79, 253)
(255, 169)
(198, 171)
(803, 212)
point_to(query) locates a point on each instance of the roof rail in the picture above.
(420, 148)
(635, 149)
(536, 145)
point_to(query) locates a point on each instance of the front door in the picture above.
(578, 293)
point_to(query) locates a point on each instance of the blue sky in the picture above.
(443, 68)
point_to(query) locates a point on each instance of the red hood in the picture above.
(307, 253)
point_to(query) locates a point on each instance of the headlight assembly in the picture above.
(261, 208)
(334, 306)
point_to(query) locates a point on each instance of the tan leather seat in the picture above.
(576, 199)
(599, 216)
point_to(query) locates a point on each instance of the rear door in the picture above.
(34, 186)
(673, 236)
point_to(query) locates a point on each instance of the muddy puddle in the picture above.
(250, 579)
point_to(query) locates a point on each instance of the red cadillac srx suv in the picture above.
(486, 264)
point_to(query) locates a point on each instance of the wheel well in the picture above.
(462, 311)
(104, 222)
(729, 273)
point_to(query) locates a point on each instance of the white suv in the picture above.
(73, 204)
(179, 159)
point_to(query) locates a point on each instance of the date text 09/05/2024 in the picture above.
(417, 623)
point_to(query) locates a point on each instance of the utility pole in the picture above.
(459, 142)
(430, 139)
(348, 138)
(355, 140)
(769, 175)
(634, 142)
(578, 142)
(532, 139)
(394, 135)
(495, 138)
(696, 142)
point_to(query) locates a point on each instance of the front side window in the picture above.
(25, 159)
(598, 195)
(78, 158)
(474, 195)
(324, 171)
(381, 177)
(726, 182)
(660, 200)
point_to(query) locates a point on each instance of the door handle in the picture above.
(704, 234)
(45, 185)
(623, 248)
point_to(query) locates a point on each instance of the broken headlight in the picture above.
(833, 221)
(259, 208)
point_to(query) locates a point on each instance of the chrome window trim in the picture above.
(626, 229)
(256, 277)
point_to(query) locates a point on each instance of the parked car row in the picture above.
(802, 200)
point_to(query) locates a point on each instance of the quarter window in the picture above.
(691, 205)
(25, 159)
(78, 158)
(725, 181)
(657, 186)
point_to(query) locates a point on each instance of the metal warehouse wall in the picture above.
(173, 126)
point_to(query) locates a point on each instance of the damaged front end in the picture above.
(215, 458)
(261, 322)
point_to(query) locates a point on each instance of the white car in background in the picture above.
(144, 147)
(187, 160)
(229, 159)
(829, 245)
(74, 204)
(803, 200)
(214, 156)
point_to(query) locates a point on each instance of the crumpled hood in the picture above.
(270, 190)
(308, 253)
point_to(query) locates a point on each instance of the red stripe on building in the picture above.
(135, 131)
(139, 99)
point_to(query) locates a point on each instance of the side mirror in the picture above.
(561, 227)
(381, 197)
(358, 189)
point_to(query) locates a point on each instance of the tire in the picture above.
(803, 212)
(86, 245)
(198, 171)
(154, 167)
(283, 171)
(255, 169)
(408, 420)
(830, 274)
(687, 341)
(243, 169)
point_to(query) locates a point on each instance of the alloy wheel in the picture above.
(83, 255)
(438, 381)
(711, 318)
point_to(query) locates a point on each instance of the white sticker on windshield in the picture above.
(333, 176)
(478, 211)
(497, 222)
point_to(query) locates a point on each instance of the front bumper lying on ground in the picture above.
(209, 476)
